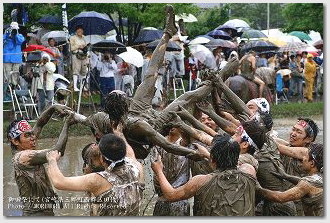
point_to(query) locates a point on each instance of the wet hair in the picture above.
(84, 153)
(112, 148)
(49, 39)
(256, 132)
(79, 27)
(316, 154)
(225, 152)
(116, 105)
(313, 130)
(88, 155)
(165, 131)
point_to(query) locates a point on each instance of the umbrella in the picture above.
(318, 44)
(148, 35)
(228, 27)
(219, 34)
(61, 77)
(132, 56)
(300, 35)
(33, 48)
(278, 42)
(237, 23)
(171, 46)
(93, 23)
(259, 46)
(288, 39)
(204, 55)
(253, 33)
(59, 36)
(50, 19)
(92, 39)
(186, 17)
(111, 46)
(220, 43)
(36, 56)
(293, 47)
(199, 40)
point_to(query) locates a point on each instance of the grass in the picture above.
(297, 110)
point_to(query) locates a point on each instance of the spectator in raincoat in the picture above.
(309, 74)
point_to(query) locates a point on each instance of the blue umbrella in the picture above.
(50, 19)
(93, 23)
(259, 46)
(146, 36)
(219, 34)
(228, 27)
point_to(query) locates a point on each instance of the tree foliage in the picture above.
(304, 17)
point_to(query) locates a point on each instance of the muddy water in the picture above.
(71, 165)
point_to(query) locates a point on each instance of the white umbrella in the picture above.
(61, 77)
(58, 36)
(290, 39)
(237, 23)
(132, 56)
(199, 40)
(204, 55)
(186, 17)
(92, 39)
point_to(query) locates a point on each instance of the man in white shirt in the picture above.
(107, 68)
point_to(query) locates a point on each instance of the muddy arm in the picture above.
(224, 124)
(46, 115)
(146, 90)
(184, 114)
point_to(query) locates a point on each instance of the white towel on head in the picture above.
(262, 103)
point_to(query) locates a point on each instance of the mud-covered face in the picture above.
(206, 120)
(26, 141)
(307, 163)
(239, 138)
(298, 136)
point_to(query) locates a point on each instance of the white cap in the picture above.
(45, 55)
(14, 25)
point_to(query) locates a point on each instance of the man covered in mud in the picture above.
(118, 189)
(32, 180)
(225, 192)
(303, 133)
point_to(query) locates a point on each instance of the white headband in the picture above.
(262, 103)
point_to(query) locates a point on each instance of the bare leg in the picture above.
(261, 85)
(146, 90)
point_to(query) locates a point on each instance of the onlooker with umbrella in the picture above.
(107, 68)
(12, 55)
(79, 56)
(309, 74)
(262, 60)
(45, 82)
(296, 84)
(58, 56)
(42, 31)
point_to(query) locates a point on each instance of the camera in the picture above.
(35, 71)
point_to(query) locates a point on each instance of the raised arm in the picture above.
(46, 115)
(295, 152)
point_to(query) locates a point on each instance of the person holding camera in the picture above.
(107, 68)
(45, 82)
(12, 53)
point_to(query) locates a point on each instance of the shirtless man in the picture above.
(310, 188)
(118, 189)
(227, 200)
(30, 173)
(248, 69)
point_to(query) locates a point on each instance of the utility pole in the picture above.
(268, 18)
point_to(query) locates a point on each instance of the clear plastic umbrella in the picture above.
(58, 36)
(132, 56)
(204, 55)
(199, 40)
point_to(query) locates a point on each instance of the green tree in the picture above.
(304, 17)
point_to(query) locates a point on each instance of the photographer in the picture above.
(12, 53)
(107, 68)
(45, 82)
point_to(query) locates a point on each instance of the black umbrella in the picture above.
(146, 36)
(220, 43)
(93, 23)
(259, 46)
(36, 56)
(219, 34)
(228, 27)
(50, 19)
(111, 46)
(171, 46)
(253, 33)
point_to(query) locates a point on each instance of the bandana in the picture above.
(19, 128)
(113, 163)
(306, 126)
(262, 104)
(245, 136)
